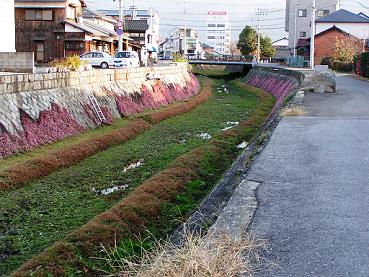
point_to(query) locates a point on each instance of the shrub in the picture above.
(326, 61)
(357, 64)
(72, 63)
(342, 66)
(179, 58)
(364, 65)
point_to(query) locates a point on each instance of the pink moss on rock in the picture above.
(280, 86)
(52, 125)
(155, 97)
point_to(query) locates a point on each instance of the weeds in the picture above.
(292, 111)
(197, 256)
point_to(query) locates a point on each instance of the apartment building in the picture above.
(218, 32)
(298, 17)
(176, 43)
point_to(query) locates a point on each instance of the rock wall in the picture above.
(276, 81)
(37, 109)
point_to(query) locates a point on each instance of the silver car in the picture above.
(99, 59)
(126, 59)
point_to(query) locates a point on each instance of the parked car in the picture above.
(124, 58)
(100, 59)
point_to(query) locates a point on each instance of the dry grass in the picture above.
(198, 256)
(293, 111)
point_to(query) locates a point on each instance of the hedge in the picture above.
(364, 67)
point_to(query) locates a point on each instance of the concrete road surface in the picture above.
(314, 197)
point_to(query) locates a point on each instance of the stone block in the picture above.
(324, 82)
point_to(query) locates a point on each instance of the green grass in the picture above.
(35, 216)
(212, 71)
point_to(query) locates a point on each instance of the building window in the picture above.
(302, 13)
(74, 45)
(211, 37)
(71, 12)
(322, 13)
(212, 25)
(40, 51)
(39, 14)
(303, 34)
(221, 25)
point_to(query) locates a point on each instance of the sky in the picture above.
(242, 12)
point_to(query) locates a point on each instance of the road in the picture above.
(313, 201)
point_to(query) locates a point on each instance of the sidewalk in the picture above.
(313, 193)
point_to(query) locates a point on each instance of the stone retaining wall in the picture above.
(36, 109)
(278, 82)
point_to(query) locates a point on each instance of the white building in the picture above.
(175, 43)
(355, 25)
(7, 26)
(298, 17)
(218, 31)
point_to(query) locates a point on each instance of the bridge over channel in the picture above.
(209, 62)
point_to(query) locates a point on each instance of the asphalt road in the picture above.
(314, 197)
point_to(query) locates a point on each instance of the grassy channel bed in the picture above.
(37, 215)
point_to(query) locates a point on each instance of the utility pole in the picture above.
(312, 36)
(185, 29)
(259, 48)
(120, 37)
(295, 34)
(260, 12)
(364, 40)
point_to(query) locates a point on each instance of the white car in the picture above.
(100, 59)
(126, 59)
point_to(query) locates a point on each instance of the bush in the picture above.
(71, 63)
(326, 61)
(342, 66)
(357, 64)
(179, 58)
(364, 65)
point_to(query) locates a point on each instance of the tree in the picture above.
(234, 49)
(247, 42)
(346, 48)
(267, 49)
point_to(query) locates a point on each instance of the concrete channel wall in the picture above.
(37, 109)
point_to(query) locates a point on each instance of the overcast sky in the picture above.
(242, 12)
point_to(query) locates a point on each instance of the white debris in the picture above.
(230, 125)
(227, 128)
(204, 136)
(233, 123)
(111, 190)
(133, 166)
(242, 145)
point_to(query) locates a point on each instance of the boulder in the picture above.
(324, 82)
